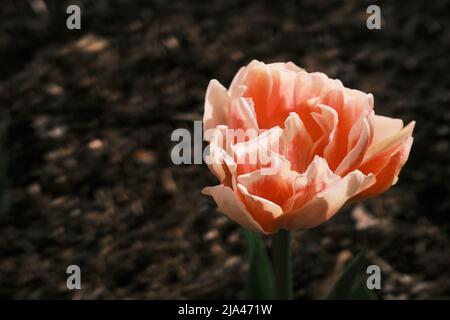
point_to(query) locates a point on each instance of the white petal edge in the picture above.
(217, 103)
(228, 204)
(327, 202)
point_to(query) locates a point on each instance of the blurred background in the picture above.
(85, 123)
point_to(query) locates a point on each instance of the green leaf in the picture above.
(352, 282)
(260, 279)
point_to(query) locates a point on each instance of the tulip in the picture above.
(323, 141)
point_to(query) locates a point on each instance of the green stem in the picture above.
(282, 266)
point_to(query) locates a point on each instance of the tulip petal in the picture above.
(362, 101)
(305, 101)
(352, 106)
(229, 205)
(216, 106)
(265, 195)
(258, 81)
(288, 66)
(379, 154)
(385, 127)
(327, 119)
(219, 162)
(296, 143)
(242, 114)
(354, 158)
(333, 96)
(236, 87)
(281, 100)
(256, 153)
(388, 175)
(318, 80)
(276, 187)
(317, 177)
(327, 202)
(262, 210)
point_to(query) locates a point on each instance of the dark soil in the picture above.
(86, 118)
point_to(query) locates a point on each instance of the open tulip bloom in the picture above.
(302, 145)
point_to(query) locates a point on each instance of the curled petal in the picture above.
(356, 155)
(385, 158)
(385, 127)
(316, 178)
(327, 202)
(242, 114)
(332, 95)
(262, 210)
(272, 88)
(276, 187)
(281, 100)
(256, 153)
(327, 119)
(296, 143)
(220, 163)
(318, 81)
(349, 131)
(228, 204)
(288, 66)
(237, 87)
(379, 154)
(258, 82)
(265, 195)
(216, 106)
(362, 101)
(388, 175)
